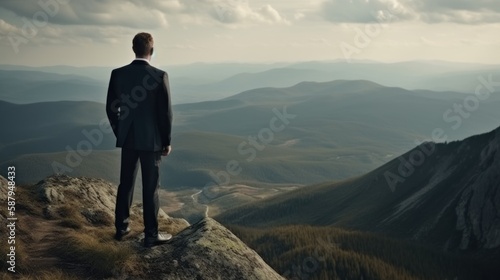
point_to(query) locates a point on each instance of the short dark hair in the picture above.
(142, 44)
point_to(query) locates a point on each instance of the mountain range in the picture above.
(212, 81)
(332, 130)
(24, 87)
(441, 201)
(445, 194)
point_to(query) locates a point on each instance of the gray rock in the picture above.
(93, 198)
(90, 192)
(205, 250)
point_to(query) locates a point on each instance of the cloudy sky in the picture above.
(99, 32)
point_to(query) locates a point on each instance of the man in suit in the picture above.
(139, 111)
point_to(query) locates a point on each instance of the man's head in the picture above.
(142, 44)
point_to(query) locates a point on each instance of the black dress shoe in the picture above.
(162, 238)
(121, 233)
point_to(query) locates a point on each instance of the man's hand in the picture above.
(166, 150)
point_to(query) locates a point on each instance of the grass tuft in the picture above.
(70, 223)
(52, 274)
(100, 258)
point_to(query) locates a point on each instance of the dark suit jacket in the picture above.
(139, 108)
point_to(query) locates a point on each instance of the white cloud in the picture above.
(298, 16)
(460, 16)
(430, 11)
(90, 12)
(363, 11)
(240, 12)
(145, 14)
(112, 20)
(454, 5)
(7, 28)
(94, 32)
(271, 15)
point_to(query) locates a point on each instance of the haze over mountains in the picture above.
(201, 82)
(35, 86)
(321, 131)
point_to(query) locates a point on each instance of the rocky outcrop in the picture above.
(206, 250)
(478, 210)
(93, 198)
(467, 216)
(460, 184)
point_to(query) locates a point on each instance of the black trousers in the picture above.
(150, 163)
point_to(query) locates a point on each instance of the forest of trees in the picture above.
(308, 252)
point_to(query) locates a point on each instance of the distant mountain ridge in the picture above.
(212, 81)
(50, 127)
(339, 129)
(444, 194)
(25, 87)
